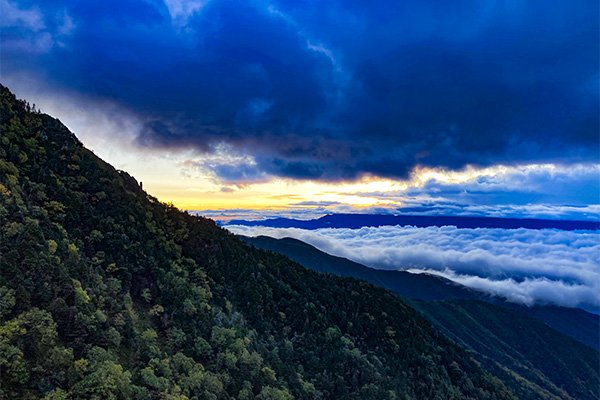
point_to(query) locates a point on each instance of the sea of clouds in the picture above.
(523, 265)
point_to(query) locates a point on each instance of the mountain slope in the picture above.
(413, 286)
(533, 359)
(107, 293)
(576, 323)
(537, 359)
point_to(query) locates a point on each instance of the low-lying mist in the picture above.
(525, 266)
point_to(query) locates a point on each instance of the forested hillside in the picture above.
(106, 293)
(531, 357)
(534, 360)
(408, 285)
(576, 323)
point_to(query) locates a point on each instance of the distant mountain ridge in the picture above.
(355, 221)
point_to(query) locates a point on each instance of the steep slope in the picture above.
(413, 286)
(107, 293)
(532, 358)
(576, 323)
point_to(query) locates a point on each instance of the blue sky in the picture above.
(227, 96)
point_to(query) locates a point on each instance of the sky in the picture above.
(301, 108)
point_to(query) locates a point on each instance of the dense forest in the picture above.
(522, 345)
(106, 293)
(530, 357)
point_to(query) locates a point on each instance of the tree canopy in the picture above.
(107, 293)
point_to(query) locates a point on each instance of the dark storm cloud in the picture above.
(328, 90)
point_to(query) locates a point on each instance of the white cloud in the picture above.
(182, 10)
(13, 16)
(527, 266)
(37, 33)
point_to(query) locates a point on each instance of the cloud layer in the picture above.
(525, 266)
(298, 86)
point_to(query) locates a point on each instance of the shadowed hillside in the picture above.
(532, 358)
(414, 286)
(107, 293)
